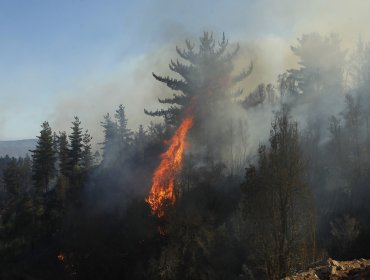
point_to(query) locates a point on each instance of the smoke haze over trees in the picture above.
(274, 177)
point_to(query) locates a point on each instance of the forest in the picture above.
(225, 183)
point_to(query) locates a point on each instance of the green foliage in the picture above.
(124, 133)
(63, 154)
(140, 142)
(118, 138)
(87, 157)
(75, 141)
(110, 143)
(12, 178)
(43, 157)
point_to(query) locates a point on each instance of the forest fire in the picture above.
(162, 189)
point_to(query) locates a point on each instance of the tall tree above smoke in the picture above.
(207, 77)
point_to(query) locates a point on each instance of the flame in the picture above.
(61, 257)
(162, 189)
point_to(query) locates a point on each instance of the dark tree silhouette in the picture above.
(44, 158)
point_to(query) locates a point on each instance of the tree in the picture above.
(262, 94)
(124, 134)
(322, 65)
(277, 203)
(110, 138)
(75, 140)
(199, 244)
(87, 158)
(337, 156)
(63, 154)
(26, 171)
(13, 178)
(205, 89)
(140, 140)
(354, 169)
(206, 79)
(43, 156)
(352, 117)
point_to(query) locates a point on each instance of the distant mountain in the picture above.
(17, 148)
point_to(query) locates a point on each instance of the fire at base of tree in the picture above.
(227, 184)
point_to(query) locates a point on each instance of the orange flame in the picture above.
(61, 257)
(163, 184)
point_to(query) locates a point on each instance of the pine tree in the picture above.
(140, 140)
(12, 178)
(43, 156)
(206, 92)
(87, 158)
(322, 64)
(262, 94)
(26, 171)
(206, 79)
(75, 140)
(124, 134)
(110, 144)
(63, 154)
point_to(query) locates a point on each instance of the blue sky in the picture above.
(50, 48)
(46, 46)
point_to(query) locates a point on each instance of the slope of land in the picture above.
(17, 148)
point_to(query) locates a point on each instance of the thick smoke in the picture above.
(271, 53)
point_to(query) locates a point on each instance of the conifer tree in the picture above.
(206, 91)
(12, 178)
(124, 133)
(63, 153)
(140, 140)
(87, 158)
(75, 141)
(110, 144)
(43, 156)
(26, 171)
(207, 77)
(322, 63)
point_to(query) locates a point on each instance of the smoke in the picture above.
(266, 39)
(133, 87)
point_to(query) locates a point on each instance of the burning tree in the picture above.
(204, 87)
(164, 176)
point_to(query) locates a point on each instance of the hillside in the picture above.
(17, 148)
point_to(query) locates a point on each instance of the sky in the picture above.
(64, 58)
